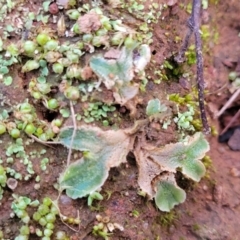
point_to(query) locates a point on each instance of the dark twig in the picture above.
(236, 116)
(73, 134)
(228, 103)
(194, 28)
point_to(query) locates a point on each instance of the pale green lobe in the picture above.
(125, 93)
(117, 74)
(102, 150)
(168, 194)
(153, 107)
(183, 155)
(198, 146)
(83, 177)
(194, 170)
(85, 139)
(30, 65)
(112, 70)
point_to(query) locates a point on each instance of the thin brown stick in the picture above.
(194, 28)
(181, 56)
(73, 134)
(228, 103)
(218, 90)
(231, 122)
(200, 79)
(46, 143)
(55, 203)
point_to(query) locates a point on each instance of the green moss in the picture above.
(168, 219)
(196, 227)
(191, 55)
(172, 69)
(207, 161)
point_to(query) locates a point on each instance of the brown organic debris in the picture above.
(12, 183)
(89, 22)
(61, 26)
(86, 73)
(112, 54)
(53, 8)
(171, 2)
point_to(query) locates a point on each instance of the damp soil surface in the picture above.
(212, 208)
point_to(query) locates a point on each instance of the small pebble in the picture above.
(205, 187)
(99, 217)
(155, 125)
(110, 227)
(65, 200)
(53, 8)
(209, 197)
(32, 229)
(118, 226)
(184, 83)
(75, 155)
(221, 149)
(171, 2)
(234, 172)
(12, 183)
(37, 186)
(234, 141)
(126, 194)
(218, 194)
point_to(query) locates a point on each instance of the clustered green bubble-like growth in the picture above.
(3, 180)
(184, 120)
(156, 111)
(157, 166)
(97, 111)
(235, 81)
(19, 207)
(46, 217)
(26, 119)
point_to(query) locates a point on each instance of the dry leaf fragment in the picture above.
(89, 22)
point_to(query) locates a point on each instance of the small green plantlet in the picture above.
(191, 55)
(94, 196)
(105, 149)
(154, 107)
(30, 65)
(3, 180)
(112, 71)
(118, 74)
(135, 213)
(167, 219)
(184, 119)
(97, 111)
(65, 112)
(196, 227)
(101, 151)
(184, 156)
(235, 82)
(168, 193)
